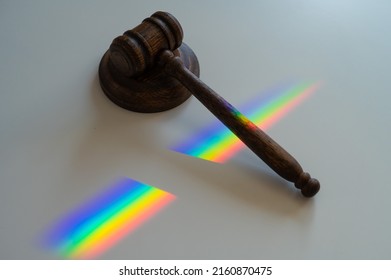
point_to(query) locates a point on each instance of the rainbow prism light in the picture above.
(100, 223)
(217, 143)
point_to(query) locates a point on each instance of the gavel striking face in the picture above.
(148, 69)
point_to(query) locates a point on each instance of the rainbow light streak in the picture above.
(217, 143)
(100, 223)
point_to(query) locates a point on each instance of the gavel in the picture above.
(148, 69)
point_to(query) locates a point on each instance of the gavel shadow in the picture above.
(128, 141)
(113, 137)
(246, 184)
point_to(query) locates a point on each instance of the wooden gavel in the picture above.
(149, 69)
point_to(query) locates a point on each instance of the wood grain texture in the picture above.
(253, 137)
(149, 69)
(150, 92)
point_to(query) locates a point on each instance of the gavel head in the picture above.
(129, 74)
(136, 50)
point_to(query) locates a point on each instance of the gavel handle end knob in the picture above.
(252, 136)
(308, 186)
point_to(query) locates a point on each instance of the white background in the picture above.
(62, 140)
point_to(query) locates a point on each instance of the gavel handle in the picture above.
(253, 137)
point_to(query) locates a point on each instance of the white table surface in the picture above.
(62, 141)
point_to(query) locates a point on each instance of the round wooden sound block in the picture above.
(149, 92)
(148, 69)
